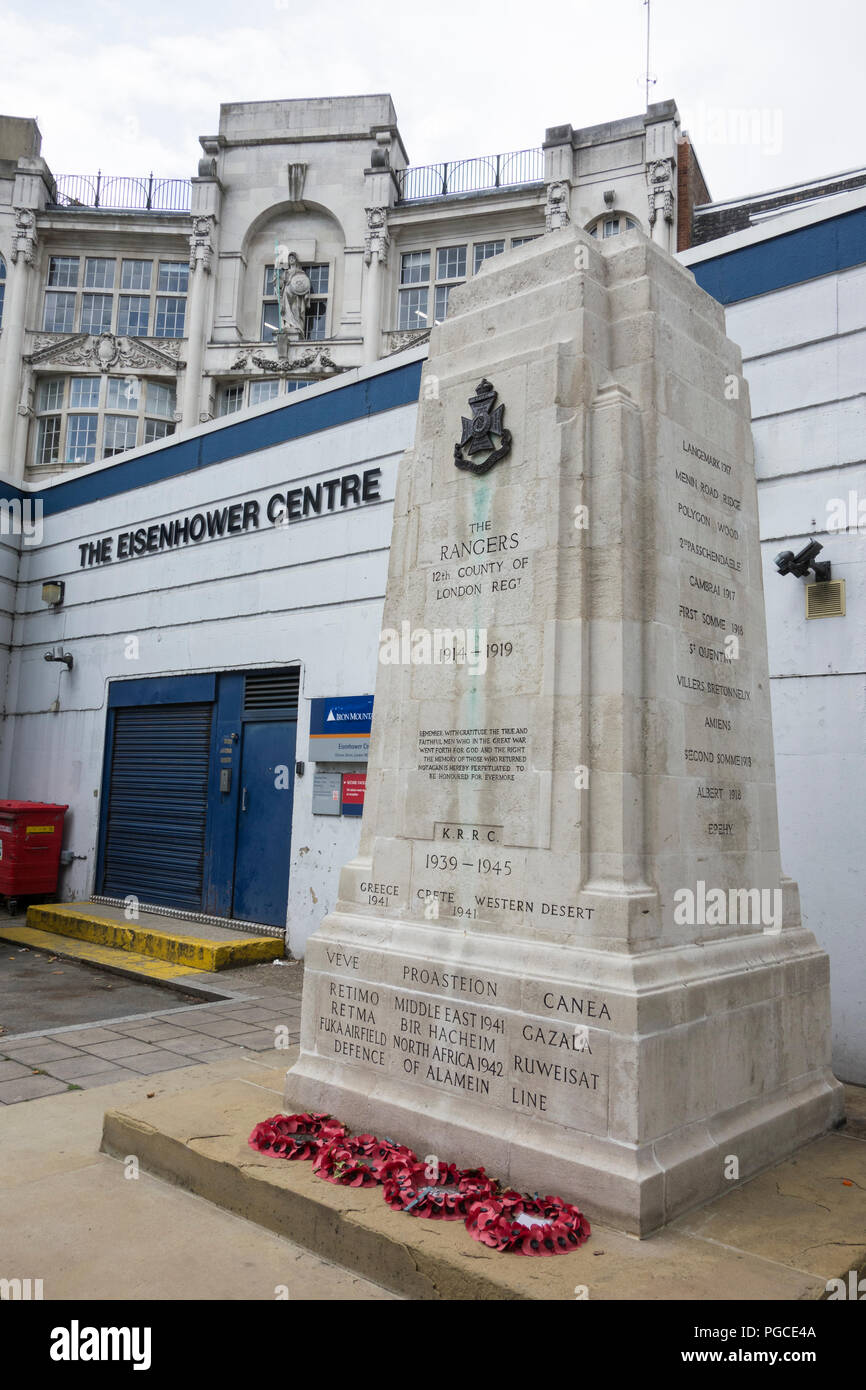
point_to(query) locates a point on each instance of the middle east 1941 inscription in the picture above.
(566, 949)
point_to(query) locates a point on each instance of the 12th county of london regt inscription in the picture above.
(571, 766)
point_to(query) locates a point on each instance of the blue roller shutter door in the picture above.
(157, 805)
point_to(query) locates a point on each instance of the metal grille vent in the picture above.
(826, 600)
(272, 690)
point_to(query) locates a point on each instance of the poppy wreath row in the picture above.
(527, 1225)
(502, 1220)
(295, 1136)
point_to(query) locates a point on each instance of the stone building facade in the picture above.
(305, 245)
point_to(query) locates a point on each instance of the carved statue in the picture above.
(294, 297)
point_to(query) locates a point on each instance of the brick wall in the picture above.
(713, 223)
(691, 191)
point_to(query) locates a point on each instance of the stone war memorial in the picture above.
(567, 950)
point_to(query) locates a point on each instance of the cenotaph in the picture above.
(566, 949)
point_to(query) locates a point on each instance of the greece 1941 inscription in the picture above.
(571, 784)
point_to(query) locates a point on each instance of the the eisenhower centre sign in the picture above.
(515, 974)
(297, 503)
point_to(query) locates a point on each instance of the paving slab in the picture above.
(191, 1044)
(218, 1054)
(73, 1068)
(85, 1037)
(122, 1047)
(37, 1053)
(155, 1032)
(29, 1088)
(725, 1252)
(13, 1071)
(107, 1078)
(219, 1029)
(259, 1040)
(156, 1061)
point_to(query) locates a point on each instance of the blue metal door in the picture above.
(261, 881)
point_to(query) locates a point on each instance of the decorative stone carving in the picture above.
(207, 168)
(297, 179)
(200, 244)
(24, 236)
(104, 353)
(377, 240)
(481, 431)
(556, 207)
(315, 361)
(402, 338)
(659, 175)
(239, 363)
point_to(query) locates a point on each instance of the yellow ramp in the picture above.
(160, 938)
(67, 948)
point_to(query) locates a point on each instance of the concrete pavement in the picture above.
(74, 1218)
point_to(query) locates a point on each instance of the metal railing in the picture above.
(120, 192)
(470, 175)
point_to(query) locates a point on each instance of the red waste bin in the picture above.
(31, 833)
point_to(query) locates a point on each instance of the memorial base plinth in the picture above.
(638, 1086)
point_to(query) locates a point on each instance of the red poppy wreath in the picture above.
(295, 1136)
(358, 1160)
(445, 1192)
(527, 1225)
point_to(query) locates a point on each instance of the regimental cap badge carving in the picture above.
(481, 432)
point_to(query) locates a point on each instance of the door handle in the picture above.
(244, 799)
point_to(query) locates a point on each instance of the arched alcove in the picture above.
(318, 241)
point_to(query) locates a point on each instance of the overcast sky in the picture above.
(771, 90)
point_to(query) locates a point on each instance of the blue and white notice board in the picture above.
(340, 728)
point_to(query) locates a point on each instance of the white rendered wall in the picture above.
(310, 593)
(804, 351)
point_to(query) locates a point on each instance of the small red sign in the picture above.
(354, 785)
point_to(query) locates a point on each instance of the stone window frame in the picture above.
(71, 290)
(424, 270)
(317, 307)
(240, 393)
(606, 219)
(485, 248)
(56, 404)
(422, 276)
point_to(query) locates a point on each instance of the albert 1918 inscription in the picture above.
(566, 949)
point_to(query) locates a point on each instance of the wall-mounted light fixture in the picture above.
(60, 655)
(53, 591)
